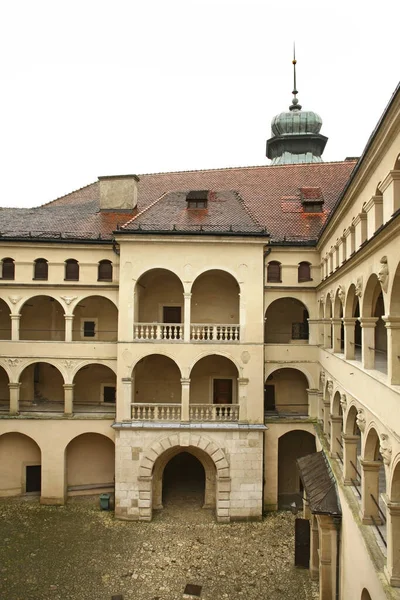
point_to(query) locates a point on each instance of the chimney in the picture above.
(118, 192)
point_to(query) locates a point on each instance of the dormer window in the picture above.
(197, 199)
(312, 199)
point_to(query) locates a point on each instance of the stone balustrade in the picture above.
(204, 332)
(214, 412)
(158, 331)
(219, 413)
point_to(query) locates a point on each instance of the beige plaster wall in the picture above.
(157, 379)
(215, 298)
(90, 460)
(49, 384)
(279, 318)
(290, 259)
(203, 374)
(16, 452)
(100, 309)
(88, 383)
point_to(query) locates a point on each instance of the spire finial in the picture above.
(295, 103)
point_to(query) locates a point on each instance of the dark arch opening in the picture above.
(291, 446)
(184, 481)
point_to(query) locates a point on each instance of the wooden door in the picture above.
(222, 393)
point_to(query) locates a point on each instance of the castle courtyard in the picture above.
(77, 552)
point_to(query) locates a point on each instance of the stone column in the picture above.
(68, 327)
(393, 349)
(336, 331)
(327, 333)
(349, 337)
(242, 318)
(186, 316)
(185, 398)
(15, 327)
(320, 406)
(313, 400)
(242, 400)
(392, 568)
(327, 555)
(314, 549)
(368, 325)
(326, 426)
(350, 443)
(68, 398)
(313, 332)
(336, 432)
(14, 397)
(369, 485)
(124, 400)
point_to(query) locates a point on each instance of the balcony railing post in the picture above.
(185, 383)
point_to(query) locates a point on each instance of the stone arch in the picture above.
(20, 464)
(97, 385)
(350, 302)
(350, 426)
(215, 299)
(5, 320)
(111, 364)
(396, 166)
(105, 294)
(328, 306)
(306, 373)
(223, 269)
(336, 406)
(151, 353)
(4, 388)
(372, 291)
(216, 353)
(41, 385)
(371, 443)
(186, 441)
(285, 319)
(90, 463)
(155, 291)
(95, 319)
(338, 306)
(157, 380)
(42, 318)
(285, 391)
(395, 294)
(365, 595)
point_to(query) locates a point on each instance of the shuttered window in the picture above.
(304, 273)
(40, 269)
(274, 272)
(8, 268)
(105, 271)
(71, 270)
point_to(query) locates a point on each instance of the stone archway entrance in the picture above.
(183, 481)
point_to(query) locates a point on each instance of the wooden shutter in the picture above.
(105, 271)
(72, 270)
(41, 269)
(8, 268)
(274, 272)
(304, 273)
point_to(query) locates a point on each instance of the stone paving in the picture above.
(78, 552)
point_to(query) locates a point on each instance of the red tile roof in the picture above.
(266, 196)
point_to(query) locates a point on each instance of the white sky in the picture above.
(94, 87)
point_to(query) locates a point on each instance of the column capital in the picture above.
(349, 320)
(336, 321)
(314, 321)
(68, 386)
(370, 465)
(336, 418)
(126, 380)
(68, 317)
(391, 322)
(185, 381)
(243, 380)
(14, 385)
(15, 317)
(366, 322)
(350, 439)
(187, 295)
(313, 391)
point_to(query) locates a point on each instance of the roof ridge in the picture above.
(144, 210)
(65, 195)
(329, 162)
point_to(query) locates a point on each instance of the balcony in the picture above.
(199, 332)
(199, 413)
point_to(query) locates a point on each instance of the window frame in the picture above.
(274, 264)
(10, 262)
(69, 263)
(304, 263)
(103, 263)
(40, 261)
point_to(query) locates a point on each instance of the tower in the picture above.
(296, 134)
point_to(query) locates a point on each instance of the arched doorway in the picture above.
(90, 464)
(41, 388)
(291, 446)
(286, 322)
(20, 465)
(183, 481)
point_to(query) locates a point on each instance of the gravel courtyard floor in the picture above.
(78, 552)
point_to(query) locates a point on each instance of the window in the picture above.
(105, 271)
(312, 207)
(8, 268)
(274, 272)
(109, 392)
(197, 199)
(71, 270)
(304, 272)
(89, 329)
(40, 270)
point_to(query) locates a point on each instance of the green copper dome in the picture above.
(296, 122)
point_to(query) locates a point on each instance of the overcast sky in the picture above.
(99, 87)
